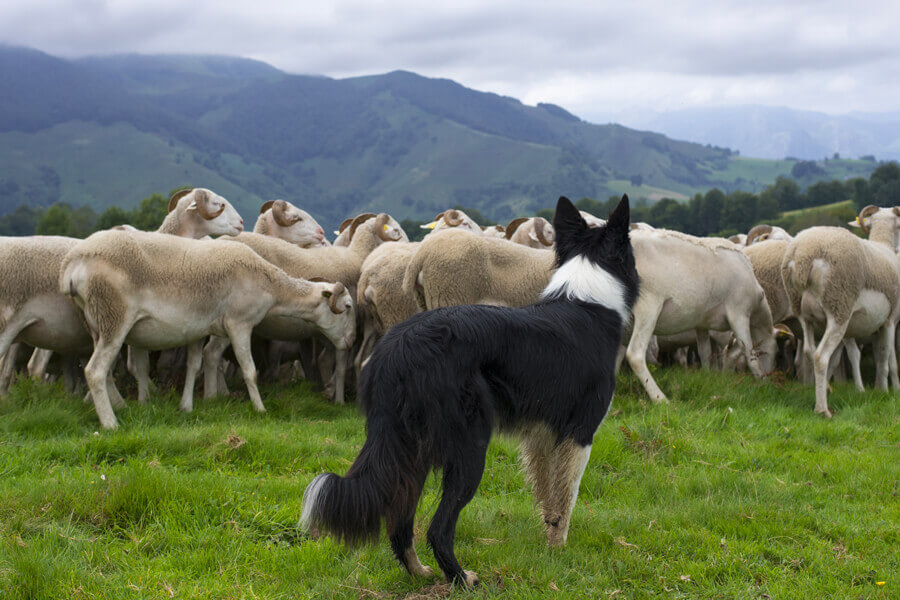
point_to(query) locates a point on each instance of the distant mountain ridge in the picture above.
(779, 132)
(111, 130)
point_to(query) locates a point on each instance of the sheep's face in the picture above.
(217, 215)
(294, 225)
(335, 315)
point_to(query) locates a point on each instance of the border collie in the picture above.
(438, 384)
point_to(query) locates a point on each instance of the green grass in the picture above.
(733, 490)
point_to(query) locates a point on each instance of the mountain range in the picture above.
(109, 131)
(777, 132)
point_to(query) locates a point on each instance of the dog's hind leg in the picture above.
(569, 461)
(462, 474)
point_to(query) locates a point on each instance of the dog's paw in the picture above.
(471, 579)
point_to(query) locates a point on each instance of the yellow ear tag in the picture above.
(858, 221)
(386, 228)
(431, 225)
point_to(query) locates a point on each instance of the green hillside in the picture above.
(112, 130)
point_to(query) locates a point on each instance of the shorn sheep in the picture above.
(155, 291)
(849, 286)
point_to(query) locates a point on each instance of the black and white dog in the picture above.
(438, 384)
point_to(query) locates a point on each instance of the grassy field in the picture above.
(733, 490)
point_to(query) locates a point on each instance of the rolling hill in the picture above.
(106, 131)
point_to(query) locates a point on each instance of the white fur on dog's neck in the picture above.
(580, 279)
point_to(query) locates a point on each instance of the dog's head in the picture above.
(583, 252)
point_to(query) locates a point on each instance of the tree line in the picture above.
(712, 213)
(718, 213)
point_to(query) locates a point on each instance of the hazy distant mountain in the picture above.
(777, 132)
(111, 130)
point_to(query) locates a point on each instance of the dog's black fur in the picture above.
(438, 384)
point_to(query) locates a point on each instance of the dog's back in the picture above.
(438, 384)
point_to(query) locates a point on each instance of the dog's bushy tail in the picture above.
(384, 482)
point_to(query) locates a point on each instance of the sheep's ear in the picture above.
(567, 219)
(620, 218)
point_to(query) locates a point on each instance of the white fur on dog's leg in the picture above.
(472, 580)
(415, 567)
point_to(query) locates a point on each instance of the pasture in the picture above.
(733, 490)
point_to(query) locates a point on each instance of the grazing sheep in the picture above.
(702, 284)
(851, 285)
(534, 232)
(335, 263)
(155, 291)
(285, 221)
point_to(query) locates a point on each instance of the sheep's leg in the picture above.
(891, 333)
(212, 358)
(366, 345)
(13, 328)
(194, 358)
(239, 334)
(97, 374)
(341, 355)
(704, 348)
(70, 373)
(809, 349)
(644, 324)
(37, 364)
(831, 339)
(853, 356)
(138, 364)
(884, 340)
(740, 325)
(8, 368)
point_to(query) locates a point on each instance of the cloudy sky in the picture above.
(595, 58)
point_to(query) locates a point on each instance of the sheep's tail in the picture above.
(412, 280)
(384, 483)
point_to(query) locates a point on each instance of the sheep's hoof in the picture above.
(824, 412)
(328, 392)
(423, 571)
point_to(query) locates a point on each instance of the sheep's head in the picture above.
(453, 219)
(535, 232)
(761, 233)
(871, 215)
(291, 224)
(214, 214)
(335, 314)
(495, 231)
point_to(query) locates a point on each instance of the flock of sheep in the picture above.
(732, 300)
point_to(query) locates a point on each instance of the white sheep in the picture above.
(154, 292)
(701, 284)
(285, 221)
(335, 263)
(850, 285)
(534, 232)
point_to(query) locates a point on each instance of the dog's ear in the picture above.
(567, 219)
(620, 218)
